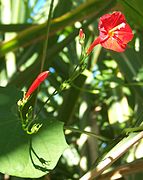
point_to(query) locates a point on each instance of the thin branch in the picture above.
(45, 47)
(122, 147)
(126, 169)
(47, 35)
(102, 138)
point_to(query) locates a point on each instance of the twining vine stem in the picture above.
(45, 45)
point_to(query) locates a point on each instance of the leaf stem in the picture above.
(134, 129)
(102, 138)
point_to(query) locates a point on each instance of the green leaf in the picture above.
(26, 155)
(130, 65)
(134, 10)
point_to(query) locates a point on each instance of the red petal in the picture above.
(109, 21)
(94, 43)
(125, 34)
(114, 45)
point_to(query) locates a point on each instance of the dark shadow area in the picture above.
(43, 162)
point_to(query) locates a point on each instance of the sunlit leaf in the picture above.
(26, 155)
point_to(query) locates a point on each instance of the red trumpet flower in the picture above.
(114, 34)
(40, 78)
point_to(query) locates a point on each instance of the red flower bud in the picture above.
(40, 78)
(81, 36)
(114, 34)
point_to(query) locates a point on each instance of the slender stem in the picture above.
(91, 91)
(23, 121)
(123, 170)
(134, 129)
(63, 86)
(81, 65)
(21, 116)
(86, 132)
(53, 94)
(113, 155)
(45, 47)
(135, 84)
(47, 35)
